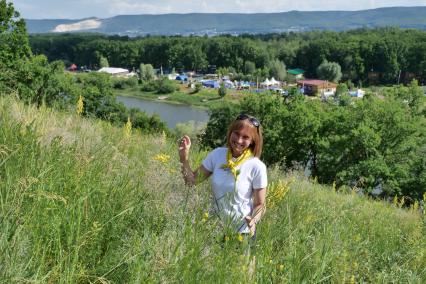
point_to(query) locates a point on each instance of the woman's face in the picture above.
(240, 140)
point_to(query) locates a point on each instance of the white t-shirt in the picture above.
(233, 205)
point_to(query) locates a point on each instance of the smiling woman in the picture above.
(238, 176)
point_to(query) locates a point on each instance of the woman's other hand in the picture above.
(184, 146)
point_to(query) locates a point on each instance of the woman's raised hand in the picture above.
(184, 145)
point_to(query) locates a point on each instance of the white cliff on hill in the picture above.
(83, 25)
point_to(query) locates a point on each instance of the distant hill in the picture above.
(211, 24)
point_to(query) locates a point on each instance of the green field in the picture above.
(205, 98)
(84, 202)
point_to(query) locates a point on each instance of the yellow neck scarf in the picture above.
(232, 165)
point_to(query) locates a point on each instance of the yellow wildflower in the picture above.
(240, 238)
(357, 238)
(395, 200)
(401, 202)
(128, 128)
(163, 158)
(80, 105)
(415, 206)
(277, 191)
(309, 218)
(205, 216)
(96, 225)
(281, 267)
(424, 203)
(226, 238)
(352, 279)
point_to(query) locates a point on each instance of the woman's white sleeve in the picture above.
(260, 179)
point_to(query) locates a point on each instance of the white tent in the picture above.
(358, 93)
(114, 71)
(266, 82)
(274, 82)
(172, 76)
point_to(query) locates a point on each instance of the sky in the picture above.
(78, 9)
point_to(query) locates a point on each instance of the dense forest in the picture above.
(366, 56)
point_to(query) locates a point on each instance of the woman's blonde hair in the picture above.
(256, 135)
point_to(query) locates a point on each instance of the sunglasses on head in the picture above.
(252, 119)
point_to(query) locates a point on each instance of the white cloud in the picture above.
(108, 8)
(123, 7)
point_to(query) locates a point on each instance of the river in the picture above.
(171, 114)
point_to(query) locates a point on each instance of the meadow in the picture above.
(82, 201)
(205, 98)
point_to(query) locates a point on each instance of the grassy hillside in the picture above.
(83, 202)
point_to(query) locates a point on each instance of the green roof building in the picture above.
(296, 71)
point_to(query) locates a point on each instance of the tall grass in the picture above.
(81, 202)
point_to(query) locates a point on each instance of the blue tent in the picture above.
(229, 84)
(211, 84)
(182, 78)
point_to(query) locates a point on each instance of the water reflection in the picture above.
(171, 114)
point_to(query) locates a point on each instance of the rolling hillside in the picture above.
(85, 202)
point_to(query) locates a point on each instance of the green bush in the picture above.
(198, 87)
(123, 83)
(191, 128)
(148, 86)
(166, 86)
(148, 124)
(222, 90)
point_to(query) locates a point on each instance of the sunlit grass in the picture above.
(206, 97)
(84, 202)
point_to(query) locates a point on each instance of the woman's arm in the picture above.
(191, 177)
(259, 208)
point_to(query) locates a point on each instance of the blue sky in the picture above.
(77, 9)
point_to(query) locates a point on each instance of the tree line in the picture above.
(391, 54)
